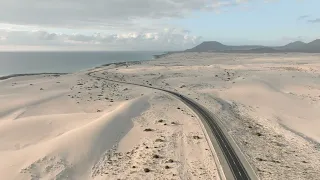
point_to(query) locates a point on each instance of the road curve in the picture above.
(235, 165)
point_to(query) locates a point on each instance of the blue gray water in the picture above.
(63, 62)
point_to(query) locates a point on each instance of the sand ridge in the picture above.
(268, 102)
(79, 127)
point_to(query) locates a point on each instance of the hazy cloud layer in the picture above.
(309, 19)
(166, 39)
(303, 17)
(122, 24)
(100, 13)
(314, 20)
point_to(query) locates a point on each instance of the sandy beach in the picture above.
(80, 126)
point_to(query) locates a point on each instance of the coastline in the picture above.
(135, 120)
(49, 115)
(64, 62)
(118, 64)
(30, 74)
(166, 54)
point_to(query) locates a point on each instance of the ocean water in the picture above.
(63, 62)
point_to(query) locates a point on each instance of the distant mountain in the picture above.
(297, 46)
(263, 50)
(315, 43)
(209, 46)
(294, 45)
(217, 46)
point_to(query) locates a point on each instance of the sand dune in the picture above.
(79, 126)
(37, 141)
(75, 139)
(72, 126)
(269, 103)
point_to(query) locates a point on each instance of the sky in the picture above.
(153, 25)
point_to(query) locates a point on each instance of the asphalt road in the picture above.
(236, 167)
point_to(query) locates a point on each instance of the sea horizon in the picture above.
(29, 62)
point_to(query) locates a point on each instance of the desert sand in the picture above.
(79, 126)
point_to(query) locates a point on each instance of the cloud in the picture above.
(242, 1)
(292, 39)
(168, 39)
(317, 20)
(307, 18)
(303, 17)
(100, 13)
(126, 24)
